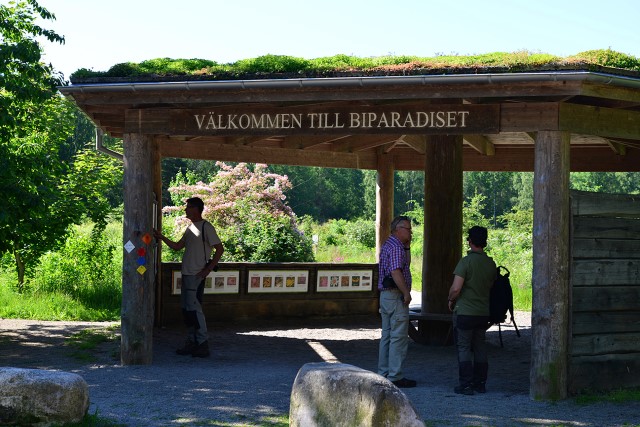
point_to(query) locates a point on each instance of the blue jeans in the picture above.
(395, 335)
(191, 300)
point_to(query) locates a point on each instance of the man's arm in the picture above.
(219, 249)
(176, 246)
(402, 286)
(454, 291)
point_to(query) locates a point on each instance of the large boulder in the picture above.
(337, 394)
(34, 397)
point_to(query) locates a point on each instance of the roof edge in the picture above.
(495, 78)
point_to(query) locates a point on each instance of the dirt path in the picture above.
(249, 376)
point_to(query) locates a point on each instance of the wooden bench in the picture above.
(418, 315)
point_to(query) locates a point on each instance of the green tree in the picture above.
(324, 193)
(45, 182)
(408, 190)
(45, 193)
(606, 182)
(25, 81)
(497, 188)
(523, 186)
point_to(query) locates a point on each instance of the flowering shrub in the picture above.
(249, 211)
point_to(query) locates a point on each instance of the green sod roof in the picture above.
(281, 66)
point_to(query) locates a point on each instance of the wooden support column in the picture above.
(442, 228)
(138, 283)
(157, 224)
(550, 316)
(384, 199)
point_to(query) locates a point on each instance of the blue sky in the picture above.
(102, 33)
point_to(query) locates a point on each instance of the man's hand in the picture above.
(407, 298)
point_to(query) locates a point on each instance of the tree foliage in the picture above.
(249, 211)
(25, 80)
(45, 182)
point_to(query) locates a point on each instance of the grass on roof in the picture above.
(282, 64)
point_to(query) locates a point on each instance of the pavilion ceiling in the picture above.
(601, 112)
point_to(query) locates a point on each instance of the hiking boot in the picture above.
(479, 388)
(466, 390)
(404, 383)
(201, 350)
(188, 348)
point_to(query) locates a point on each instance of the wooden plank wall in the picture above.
(605, 278)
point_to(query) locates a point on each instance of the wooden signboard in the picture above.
(387, 119)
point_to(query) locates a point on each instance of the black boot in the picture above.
(480, 371)
(465, 373)
(201, 350)
(188, 348)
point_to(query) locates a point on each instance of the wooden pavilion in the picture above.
(549, 122)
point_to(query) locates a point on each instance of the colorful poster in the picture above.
(217, 282)
(275, 281)
(344, 281)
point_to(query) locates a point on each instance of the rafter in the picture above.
(481, 144)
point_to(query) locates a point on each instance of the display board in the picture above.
(275, 281)
(344, 280)
(217, 282)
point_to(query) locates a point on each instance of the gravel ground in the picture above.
(247, 380)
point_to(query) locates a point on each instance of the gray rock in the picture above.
(34, 397)
(337, 394)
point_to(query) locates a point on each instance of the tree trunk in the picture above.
(20, 268)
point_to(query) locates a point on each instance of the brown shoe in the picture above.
(201, 350)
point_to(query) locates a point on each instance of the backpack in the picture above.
(501, 302)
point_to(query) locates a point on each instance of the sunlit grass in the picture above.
(614, 396)
(49, 306)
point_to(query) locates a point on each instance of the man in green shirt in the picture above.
(469, 300)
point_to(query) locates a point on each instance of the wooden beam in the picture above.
(246, 140)
(550, 314)
(442, 227)
(384, 198)
(417, 142)
(528, 117)
(481, 144)
(605, 122)
(611, 92)
(355, 143)
(280, 156)
(308, 141)
(617, 148)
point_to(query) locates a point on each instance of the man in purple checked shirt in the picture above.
(394, 284)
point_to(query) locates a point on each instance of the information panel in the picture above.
(276, 281)
(217, 282)
(344, 280)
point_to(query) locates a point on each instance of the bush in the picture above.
(362, 232)
(88, 269)
(248, 209)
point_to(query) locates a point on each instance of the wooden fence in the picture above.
(605, 299)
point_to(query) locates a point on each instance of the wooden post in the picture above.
(550, 316)
(137, 267)
(157, 190)
(384, 199)
(442, 227)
